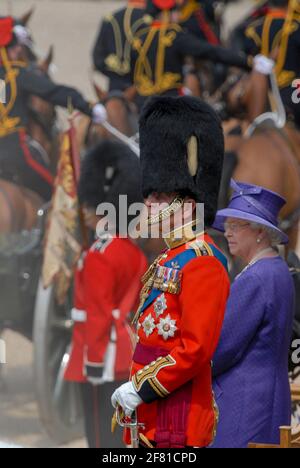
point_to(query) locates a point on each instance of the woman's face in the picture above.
(242, 238)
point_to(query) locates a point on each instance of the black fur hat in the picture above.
(109, 170)
(170, 130)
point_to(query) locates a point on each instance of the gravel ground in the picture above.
(71, 27)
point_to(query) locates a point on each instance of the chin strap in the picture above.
(164, 214)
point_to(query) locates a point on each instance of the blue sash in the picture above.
(182, 260)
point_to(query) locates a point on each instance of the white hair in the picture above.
(274, 236)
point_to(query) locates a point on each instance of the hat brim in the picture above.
(222, 215)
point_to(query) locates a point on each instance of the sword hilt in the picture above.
(130, 423)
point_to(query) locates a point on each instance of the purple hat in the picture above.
(254, 204)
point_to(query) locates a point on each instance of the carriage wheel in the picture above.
(58, 401)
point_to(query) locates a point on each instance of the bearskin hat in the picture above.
(182, 150)
(109, 170)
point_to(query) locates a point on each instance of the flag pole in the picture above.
(75, 158)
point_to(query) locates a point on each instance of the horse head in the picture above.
(25, 19)
(242, 96)
(42, 126)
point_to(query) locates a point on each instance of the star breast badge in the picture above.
(167, 327)
(148, 325)
(160, 305)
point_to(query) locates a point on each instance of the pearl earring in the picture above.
(258, 241)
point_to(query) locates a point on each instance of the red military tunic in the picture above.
(178, 332)
(107, 283)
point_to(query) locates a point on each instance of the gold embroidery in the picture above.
(202, 249)
(252, 34)
(120, 62)
(9, 125)
(149, 374)
(285, 78)
(289, 27)
(150, 82)
(281, 41)
(188, 10)
(114, 64)
(216, 416)
(158, 388)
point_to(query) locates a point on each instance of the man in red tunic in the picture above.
(185, 291)
(107, 284)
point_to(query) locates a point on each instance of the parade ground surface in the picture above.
(71, 27)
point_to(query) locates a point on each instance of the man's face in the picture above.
(157, 203)
(159, 198)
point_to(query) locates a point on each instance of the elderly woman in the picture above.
(250, 366)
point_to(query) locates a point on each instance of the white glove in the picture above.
(263, 64)
(127, 397)
(99, 114)
(23, 35)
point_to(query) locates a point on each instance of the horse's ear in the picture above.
(24, 20)
(45, 64)
(99, 92)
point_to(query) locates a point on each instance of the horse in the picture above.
(122, 115)
(268, 156)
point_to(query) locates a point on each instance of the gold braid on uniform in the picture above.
(188, 10)
(281, 41)
(9, 125)
(150, 82)
(285, 77)
(149, 374)
(120, 62)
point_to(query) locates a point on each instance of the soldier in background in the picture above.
(107, 284)
(277, 34)
(159, 53)
(112, 57)
(197, 18)
(20, 160)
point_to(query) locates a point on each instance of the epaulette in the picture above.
(101, 244)
(204, 249)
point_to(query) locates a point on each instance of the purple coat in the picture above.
(250, 366)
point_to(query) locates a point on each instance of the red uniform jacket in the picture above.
(107, 284)
(178, 331)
